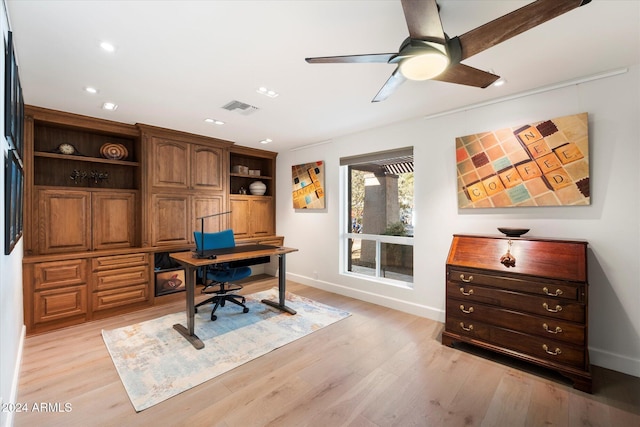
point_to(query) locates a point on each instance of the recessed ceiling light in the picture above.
(91, 89)
(109, 106)
(107, 46)
(267, 92)
(214, 121)
(266, 141)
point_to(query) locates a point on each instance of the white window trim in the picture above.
(378, 238)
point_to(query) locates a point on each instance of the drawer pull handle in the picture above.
(466, 311)
(470, 328)
(551, 310)
(556, 352)
(466, 293)
(466, 280)
(556, 331)
(557, 293)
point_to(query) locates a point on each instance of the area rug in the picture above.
(155, 362)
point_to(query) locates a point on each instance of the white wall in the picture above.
(11, 320)
(611, 224)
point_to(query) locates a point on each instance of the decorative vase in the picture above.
(257, 188)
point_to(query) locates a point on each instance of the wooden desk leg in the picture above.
(188, 332)
(282, 287)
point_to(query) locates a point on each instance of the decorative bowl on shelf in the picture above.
(66, 148)
(513, 232)
(114, 151)
(257, 188)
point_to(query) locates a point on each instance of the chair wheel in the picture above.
(245, 310)
(213, 317)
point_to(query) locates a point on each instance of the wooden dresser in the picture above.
(532, 307)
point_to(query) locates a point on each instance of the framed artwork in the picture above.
(170, 281)
(13, 193)
(544, 163)
(10, 93)
(308, 185)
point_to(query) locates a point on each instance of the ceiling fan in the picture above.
(429, 54)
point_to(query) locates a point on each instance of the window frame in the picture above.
(345, 223)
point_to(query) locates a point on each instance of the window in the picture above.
(378, 235)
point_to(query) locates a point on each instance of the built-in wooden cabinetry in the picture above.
(80, 201)
(187, 179)
(93, 224)
(252, 215)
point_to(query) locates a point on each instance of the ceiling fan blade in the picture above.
(371, 58)
(423, 20)
(514, 23)
(464, 75)
(390, 86)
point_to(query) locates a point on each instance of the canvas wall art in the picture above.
(308, 185)
(544, 163)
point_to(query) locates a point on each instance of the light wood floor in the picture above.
(379, 367)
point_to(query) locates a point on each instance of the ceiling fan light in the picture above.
(424, 66)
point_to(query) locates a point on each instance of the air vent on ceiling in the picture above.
(240, 107)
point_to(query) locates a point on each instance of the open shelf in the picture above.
(78, 158)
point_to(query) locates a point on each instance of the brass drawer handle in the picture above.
(466, 280)
(558, 292)
(551, 310)
(556, 331)
(470, 328)
(556, 352)
(466, 311)
(466, 293)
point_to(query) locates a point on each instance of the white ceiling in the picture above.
(178, 62)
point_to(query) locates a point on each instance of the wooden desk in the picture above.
(191, 264)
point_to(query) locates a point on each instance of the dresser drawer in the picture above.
(552, 307)
(572, 333)
(535, 286)
(119, 261)
(526, 345)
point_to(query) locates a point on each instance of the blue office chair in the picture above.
(217, 277)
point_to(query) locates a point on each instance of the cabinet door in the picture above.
(113, 219)
(170, 163)
(207, 168)
(171, 219)
(262, 223)
(208, 205)
(64, 221)
(240, 215)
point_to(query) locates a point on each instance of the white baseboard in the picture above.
(599, 357)
(13, 398)
(385, 301)
(614, 361)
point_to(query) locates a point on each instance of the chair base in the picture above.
(220, 299)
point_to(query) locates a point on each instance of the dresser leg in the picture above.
(580, 383)
(446, 340)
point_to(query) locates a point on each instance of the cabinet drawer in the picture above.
(571, 333)
(119, 261)
(119, 278)
(276, 241)
(552, 307)
(111, 298)
(54, 274)
(530, 285)
(56, 304)
(540, 348)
